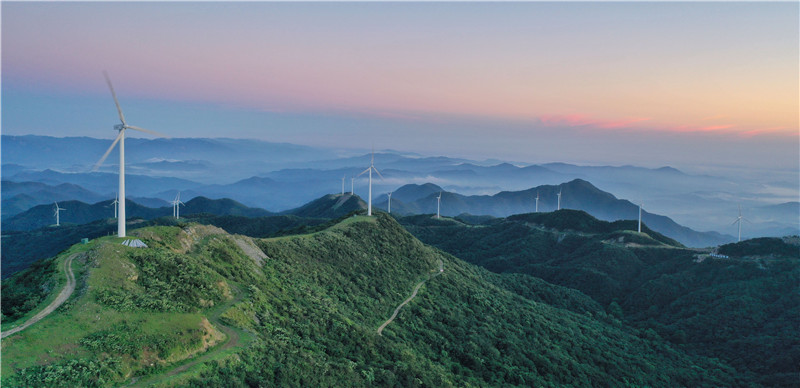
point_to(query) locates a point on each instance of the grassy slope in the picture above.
(314, 307)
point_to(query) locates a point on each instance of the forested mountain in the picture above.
(304, 311)
(743, 309)
(330, 206)
(577, 194)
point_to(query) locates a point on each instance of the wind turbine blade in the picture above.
(114, 94)
(147, 131)
(734, 222)
(362, 172)
(108, 151)
(379, 173)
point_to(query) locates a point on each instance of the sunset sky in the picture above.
(652, 84)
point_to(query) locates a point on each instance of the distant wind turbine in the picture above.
(537, 202)
(438, 204)
(640, 218)
(57, 211)
(370, 169)
(176, 206)
(559, 198)
(390, 202)
(352, 185)
(342, 185)
(739, 220)
(116, 201)
(121, 140)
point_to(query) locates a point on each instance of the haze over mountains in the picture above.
(277, 177)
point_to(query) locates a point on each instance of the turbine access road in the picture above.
(60, 299)
(413, 294)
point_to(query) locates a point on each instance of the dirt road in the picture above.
(60, 299)
(413, 294)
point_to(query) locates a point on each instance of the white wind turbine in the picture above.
(537, 202)
(640, 218)
(390, 202)
(176, 206)
(116, 201)
(438, 204)
(342, 185)
(739, 220)
(370, 169)
(121, 140)
(57, 210)
(352, 191)
(559, 198)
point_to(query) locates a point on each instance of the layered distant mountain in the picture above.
(78, 212)
(277, 177)
(577, 194)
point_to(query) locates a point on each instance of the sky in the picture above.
(651, 84)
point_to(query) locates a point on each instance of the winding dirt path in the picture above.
(413, 294)
(232, 340)
(60, 299)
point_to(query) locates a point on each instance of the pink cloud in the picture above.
(578, 120)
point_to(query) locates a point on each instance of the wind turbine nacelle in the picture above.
(119, 127)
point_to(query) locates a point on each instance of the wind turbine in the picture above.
(640, 218)
(57, 211)
(116, 201)
(537, 202)
(121, 140)
(438, 203)
(352, 185)
(559, 198)
(176, 206)
(390, 202)
(370, 169)
(739, 220)
(342, 185)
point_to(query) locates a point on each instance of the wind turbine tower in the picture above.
(438, 204)
(116, 201)
(390, 202)
(352, 185)
(559, 199)
(121, 140)
(57, 211)
(639, 229)
(369, 170)
(176, 206)
(739, 220)
(342, 185)
(537, 202)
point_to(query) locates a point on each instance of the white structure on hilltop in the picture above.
(739, 220)
(116, 201)
(57, 210)
(176, 206)
(369, 170)
(121, 140)
(559, 199)
(438, 204)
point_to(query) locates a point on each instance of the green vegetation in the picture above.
(764, 247)
(23, 293)
(742, 311)
(314, 306)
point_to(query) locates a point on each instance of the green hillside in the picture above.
(330, 206)
(744, 310)
(304, 310)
